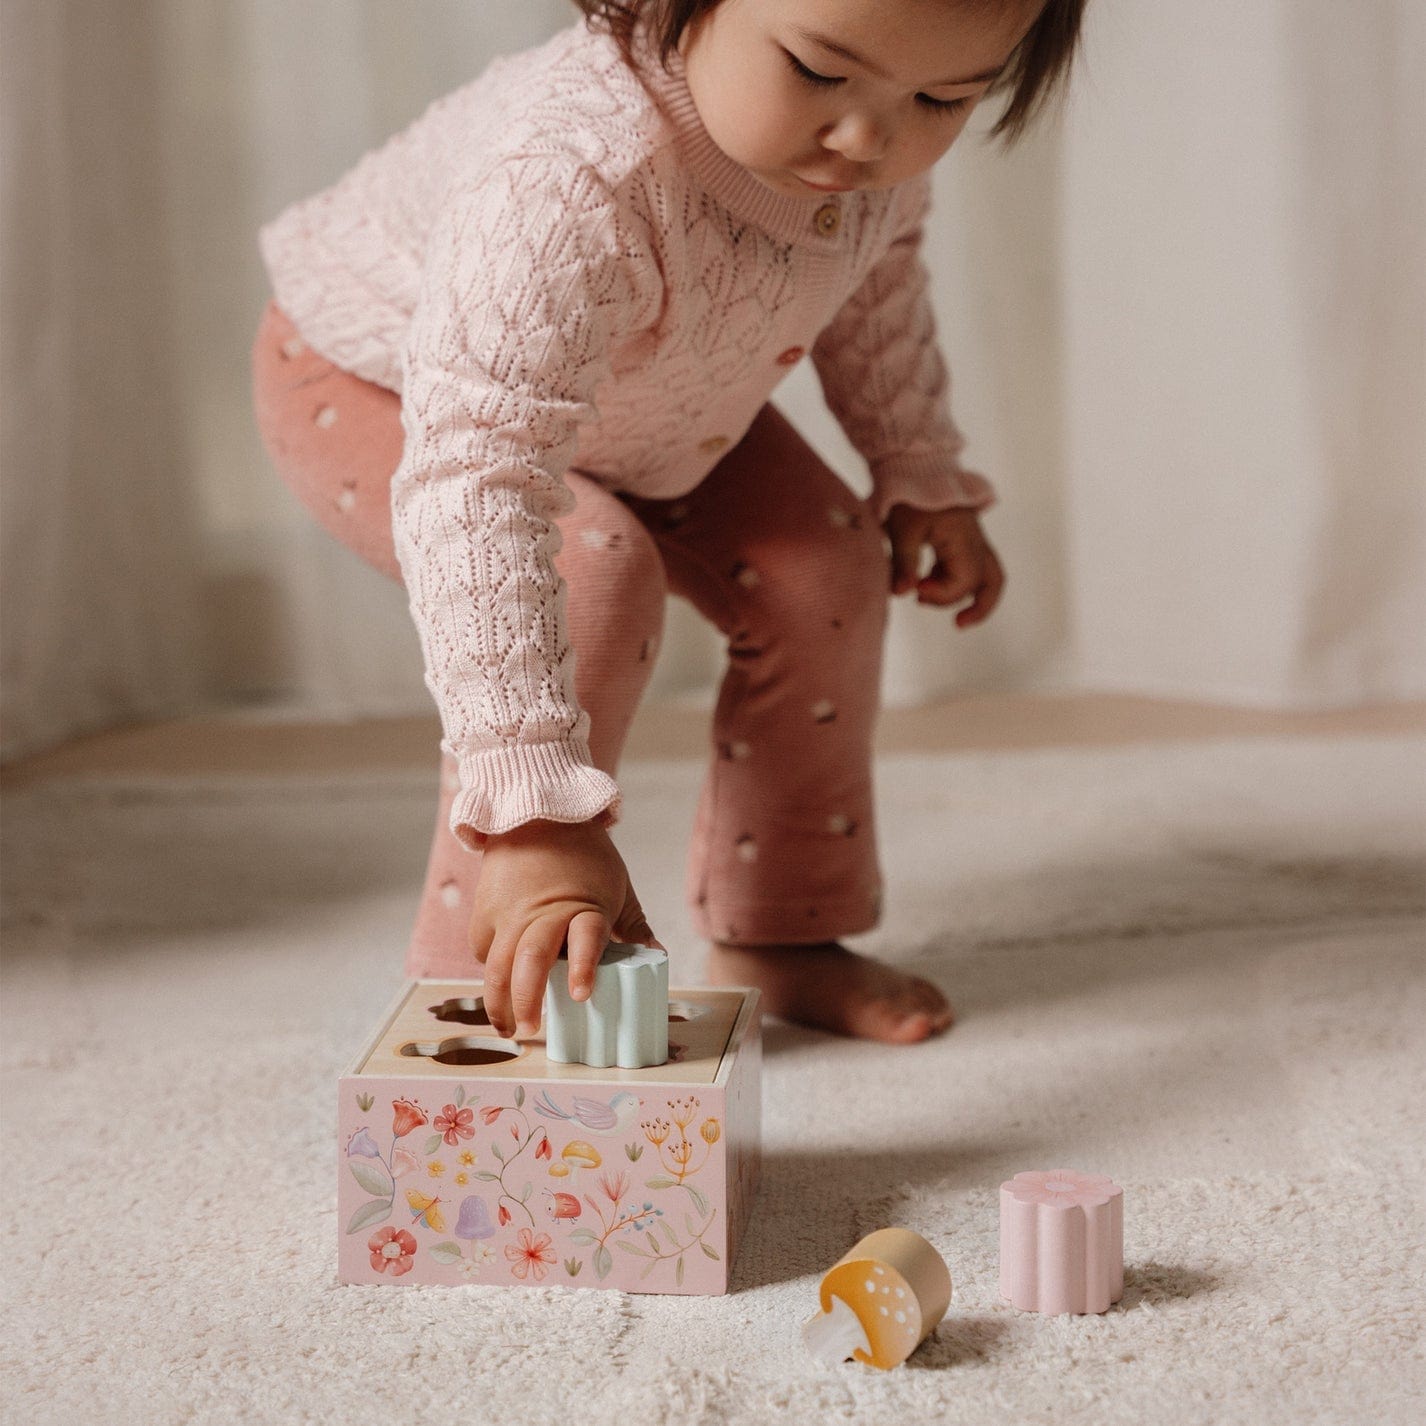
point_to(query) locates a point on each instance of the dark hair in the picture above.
(1038, 64)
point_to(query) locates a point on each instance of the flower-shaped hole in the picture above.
(464, 1009)
(684, 1010)
(467, 1050)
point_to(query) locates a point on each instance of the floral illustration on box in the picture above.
(640, 1227)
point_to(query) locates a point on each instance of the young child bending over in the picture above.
(546, 320)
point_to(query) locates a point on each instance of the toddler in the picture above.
(546, 320)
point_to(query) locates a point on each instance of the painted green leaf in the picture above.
(658, 1183)
(649, 1269)
(432, 1144)
(582, 1236)
(709, 1252)
(498, 1152)
(525, 1192)
(690, 1225)
(633, 1249)
(678, 1272)
(700, 1199)
(372, 1177)
(446, 1252)
(378, 1210)
(603, 1262)
(519, 1096)
(460, 1095)
(487, 1175)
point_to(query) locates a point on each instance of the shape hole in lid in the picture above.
(467, 1050)
(463, 1009)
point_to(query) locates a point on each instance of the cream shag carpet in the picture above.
(1196, 967)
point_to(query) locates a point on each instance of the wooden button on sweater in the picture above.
(712, 444)
(827, 219)
(790, 356)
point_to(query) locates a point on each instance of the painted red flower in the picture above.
(544, 1151)
(393, 1250)
(454, 1124)
(491, 1113)
(409, 1115)
(531, 1255)
(504, 1215)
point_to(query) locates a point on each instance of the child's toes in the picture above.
(934, 1005)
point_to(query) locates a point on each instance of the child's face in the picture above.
(870, 130)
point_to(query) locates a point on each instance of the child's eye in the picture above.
(944, 106)
(820, 80)
(823, 81)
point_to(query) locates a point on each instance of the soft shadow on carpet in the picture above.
(1195, 967)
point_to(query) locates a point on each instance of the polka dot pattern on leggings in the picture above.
(747, 849)
(450, 893)
(325, 418)
(824, 711)
(346, 498)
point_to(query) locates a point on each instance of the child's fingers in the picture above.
(905, 558)
(480, 938)
(495, 991)
(539, 949)
(948, 584)
(586, 938)
(986, 598)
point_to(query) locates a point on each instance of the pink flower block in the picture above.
(1061, 1241)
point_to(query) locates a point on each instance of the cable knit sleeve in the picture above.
(533, 274)
(886, 382)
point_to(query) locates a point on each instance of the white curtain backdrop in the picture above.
(1187, 327)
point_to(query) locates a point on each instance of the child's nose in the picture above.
(859, 137)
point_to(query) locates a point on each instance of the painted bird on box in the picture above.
(591, 1115)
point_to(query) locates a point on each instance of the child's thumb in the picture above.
(905, 560)
(636, 931)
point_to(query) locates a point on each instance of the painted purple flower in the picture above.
(362, 1143)
(474, 1220)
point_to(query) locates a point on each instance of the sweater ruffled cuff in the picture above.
(501, 788)
(927, 480)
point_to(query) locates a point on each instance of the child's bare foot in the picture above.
(835, 989)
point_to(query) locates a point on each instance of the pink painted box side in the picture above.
(611, 1184)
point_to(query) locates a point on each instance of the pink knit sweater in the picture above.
(557, 268)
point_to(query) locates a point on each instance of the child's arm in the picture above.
(532, 279)
(885, 379)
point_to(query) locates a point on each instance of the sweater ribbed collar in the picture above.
(737, 188)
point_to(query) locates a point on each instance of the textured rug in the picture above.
(1196, 967)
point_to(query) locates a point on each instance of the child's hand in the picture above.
(542, 886)
(965, 562)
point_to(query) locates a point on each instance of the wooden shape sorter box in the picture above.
(464, 1157)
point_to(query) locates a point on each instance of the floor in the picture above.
(1185, 947)
(254, 743)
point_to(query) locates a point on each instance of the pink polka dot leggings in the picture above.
(772, 547)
